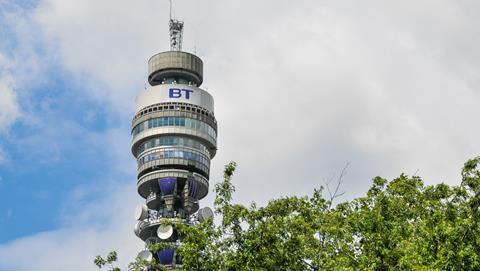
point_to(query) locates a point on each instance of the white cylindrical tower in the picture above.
(174, 135)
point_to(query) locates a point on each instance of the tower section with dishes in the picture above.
(174, 137)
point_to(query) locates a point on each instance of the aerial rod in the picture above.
(176, 31)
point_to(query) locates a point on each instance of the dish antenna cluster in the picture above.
(174, 137)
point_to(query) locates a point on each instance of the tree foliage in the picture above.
(401, 224)
(108, 262)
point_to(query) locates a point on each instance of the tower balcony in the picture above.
(177, 65)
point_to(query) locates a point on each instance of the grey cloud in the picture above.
(303, 86)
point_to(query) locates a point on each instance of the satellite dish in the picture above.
(145, 255)
(141, 212)
(136, 228)
(164, 231)
(204, 214)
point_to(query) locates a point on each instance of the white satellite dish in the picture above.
(141, 212)
(164, 231)
(204, 214)
(145, 255)
(136, 228)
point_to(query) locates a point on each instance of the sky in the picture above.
(301, 89)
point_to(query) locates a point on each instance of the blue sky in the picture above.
(299, 91)
(52, 148)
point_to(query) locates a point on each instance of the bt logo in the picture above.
(177, 93)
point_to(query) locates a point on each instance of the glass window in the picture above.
(174, 121)
(173, 154)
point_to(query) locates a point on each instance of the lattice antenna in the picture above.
(176, 32)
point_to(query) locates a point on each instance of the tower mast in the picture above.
(174, 137)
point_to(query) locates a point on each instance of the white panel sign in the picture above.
(174, 93)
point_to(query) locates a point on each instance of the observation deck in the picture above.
(176, 65)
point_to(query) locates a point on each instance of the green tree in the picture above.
(108, 262)
(401, 224)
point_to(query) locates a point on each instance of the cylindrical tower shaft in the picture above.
(174, 137)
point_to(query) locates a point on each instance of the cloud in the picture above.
(74, 246)
(9, 109)
(21, 63)
(3, 158)
(104, 48)
(302, 87)
(95, 218)
(321, 84)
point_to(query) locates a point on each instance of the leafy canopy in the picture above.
(401, 224)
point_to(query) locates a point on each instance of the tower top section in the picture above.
(175, 66)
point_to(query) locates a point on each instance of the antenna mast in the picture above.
(176, 31)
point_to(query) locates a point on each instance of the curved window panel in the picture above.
(172, 141)
(175, 121)
(174, 154)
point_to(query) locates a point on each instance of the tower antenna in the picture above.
(176, 31)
